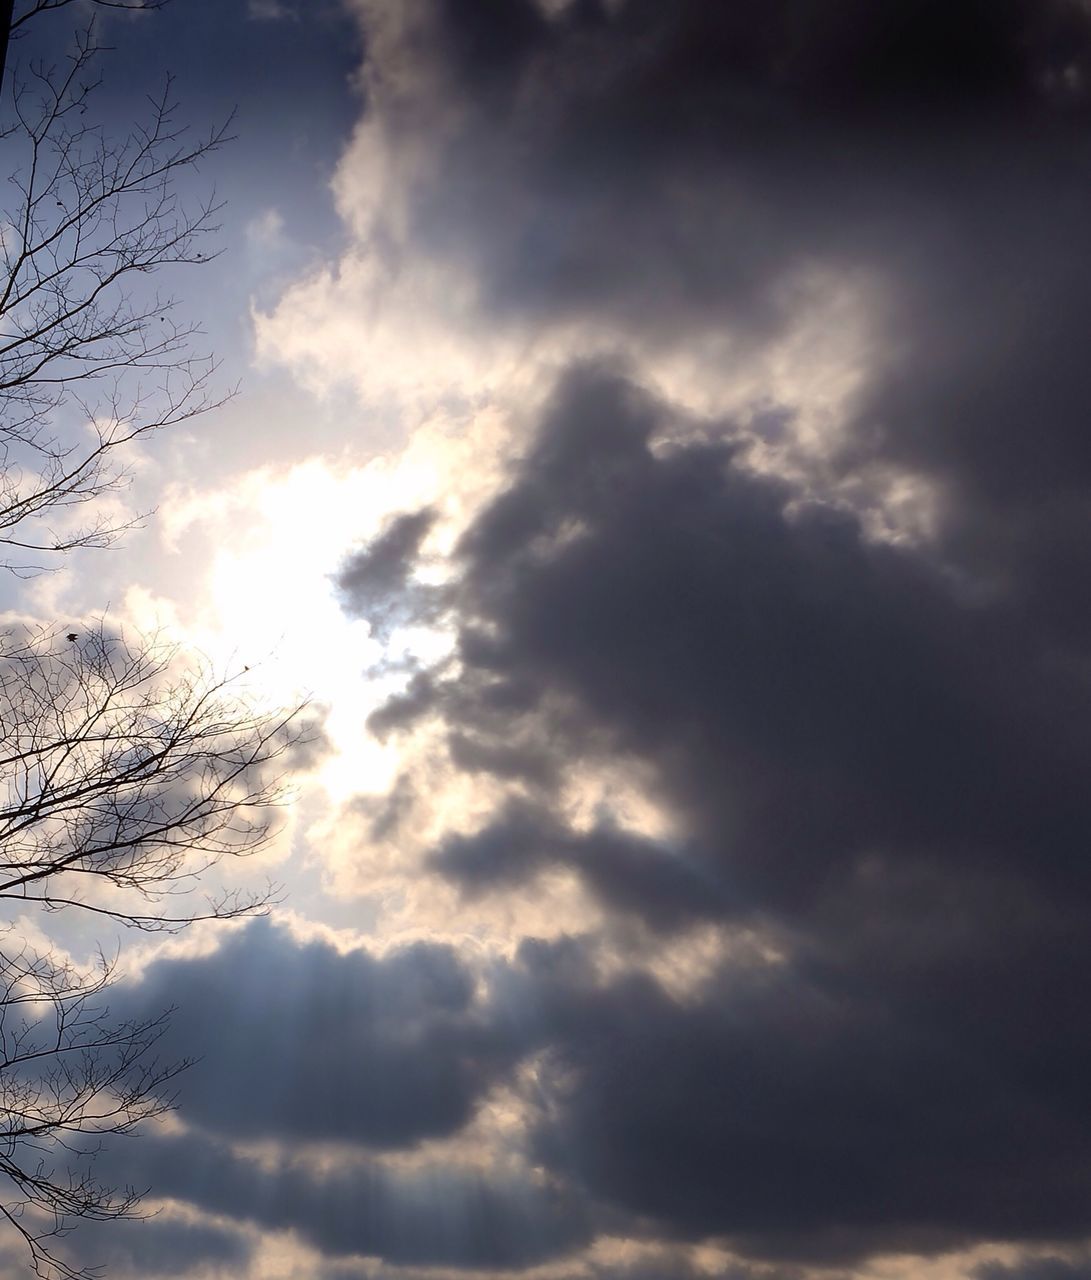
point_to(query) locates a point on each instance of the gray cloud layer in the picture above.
(867, 758)
(664, 169)
(304, 1043)
(445, 1217)
(874, 753)
(309, 1050)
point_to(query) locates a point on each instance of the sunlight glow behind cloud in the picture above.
(269, 602)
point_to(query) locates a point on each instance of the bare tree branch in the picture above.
(68, 1075)
(92, 356)
(13, 21)
(127, 771)
(36, 7)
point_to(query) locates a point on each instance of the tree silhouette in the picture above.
(92, 357)
(126, 772)
(128, 769)
(13, 22)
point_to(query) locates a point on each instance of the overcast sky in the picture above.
(663, 454)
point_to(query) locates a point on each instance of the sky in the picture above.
(661, 455)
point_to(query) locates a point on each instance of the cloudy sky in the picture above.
(662, 454)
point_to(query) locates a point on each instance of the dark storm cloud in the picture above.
(687, 155)
(374, 581)
(876, 764)
(664, 886)
(302, 1042)
(1033, 1269)
(382, 567)
(873, 754)
(662, 171)
(809, 699)
(158, 1247)
(664, 1263)
(443, 1216)
(309, 1050)
(809, 1112)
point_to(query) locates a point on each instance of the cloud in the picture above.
(809, 699)
(663, 167)
(374, 581)
(681, 182)
(162, 1246)
(663, 886)
(447, 1216)
(802, 1114)
(1040, 1268)
(321, 1075)
(870, 765)
(306, 1043)
(844, 652)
